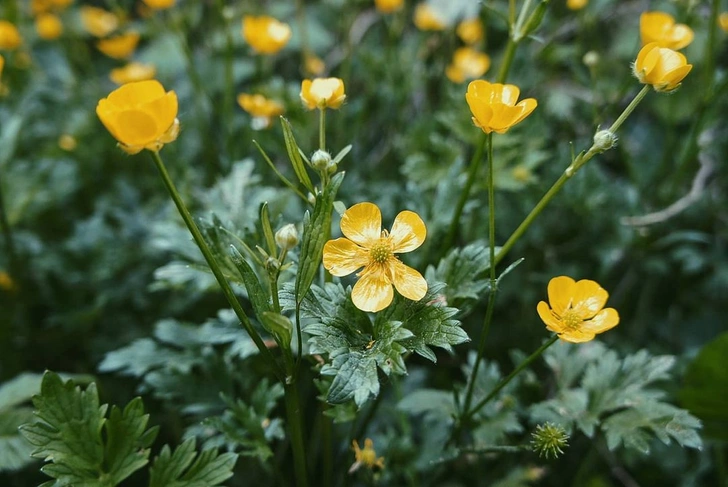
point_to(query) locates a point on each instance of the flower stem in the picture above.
(504, 382)
(575, 165)
(492, 292)
(322, 129)
(507, 60)
(214, 267)
(474, 166)
(295, 428)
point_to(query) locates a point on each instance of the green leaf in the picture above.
(14, 449)
(127, 440)
(270, 240)
(316, 229)
(256, 293)
(280, 326)
(185, 468)
(705, 375)
(294, 155)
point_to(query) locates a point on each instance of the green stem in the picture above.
(229, 95)
(327, 446)
(517, 30)
(214, 267)
(575, 165)
(492, 293)
(322, 129)
(295, 428)
(474, 166)
(505, 66)
(510, 376)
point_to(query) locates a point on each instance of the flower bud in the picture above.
(320, 160)
(272, 264)
(549, 439)
(287, 237)
(591, 59)
(604, 140)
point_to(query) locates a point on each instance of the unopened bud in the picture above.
(331, 167)
(287, 237)
(604, 140)
(272, 264)
(590, 59)
(549, 439)
(320, 160)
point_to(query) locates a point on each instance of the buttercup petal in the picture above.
(588, 298)
(136, 127)
(560, 291)
(133, 94)
(342, 257)
(605, 320)
(373, 292)
(548, 317)
(509, 95)
(362, 224)
(408, 232)
(409, 282)
(577, 336)
(164, 110)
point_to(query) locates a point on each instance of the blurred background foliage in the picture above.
(102, 278)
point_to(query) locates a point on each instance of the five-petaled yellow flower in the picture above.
(366, 457)
(577, 311)
(661, 67)
(467, 63)
(119, 47)
(427, 18)
(48, 26)
(470, 31)
(9, 35)
(494, 106)
(365, 245)
(133, 72)
(388, 6)
(98, 22)
(661, 28)
(140, 116)
(260, 108)
(322, 93)
(265, 34)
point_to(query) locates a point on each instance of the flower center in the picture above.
(571, 320)
(380, 252)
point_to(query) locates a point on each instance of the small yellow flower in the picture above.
(9, 36)
(366, 457)
(322, 93)
(366, 245)
(260, 108)
(314, 65)
(470, 31)
(661, 28)
(98, 22)
(119, 47)
(160, 4)
(723, 21)
(577, 311)
(67, 142)
(6, 282)
(2, 65)
(388, 6)
(48, 26)
(467, 63)
(265, 34)
(426, 18)
(140, 116)
(661, 67)
(44, 6)
(494, 106)
(132, 72)
(576, 4)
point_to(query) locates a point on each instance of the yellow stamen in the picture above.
(381, 251)
(571, 320)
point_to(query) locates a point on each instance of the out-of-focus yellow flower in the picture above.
(6, 282)
(313, 64)
(661, 28)
(576, 4)
(260, 108)
(98, 22)
(159, 4)
(133, 72)
(119, 47)
(2, 65)
(426, 18)
(661, 67)
(723, 21)
(365, 245)
(576, 313)
(67, 142)
(265, 34)
(470, 31)
(48, 26)
(322, 93)
(40, 6)
(9, 36)
(140, 116)
(388, 6)
(366, 457)
(467, 63)
(494, 106)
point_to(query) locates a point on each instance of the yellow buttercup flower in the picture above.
(426, 18)
(494, 106)
(576, 312)
(661, 28)
(313, 64)
(9, 36)
(140, 116)
(133, 72)
(98, 22)
(366, 457)
(43, 6)
(723, 21)
(661, 67)
(159, 4)
(260, 108)
(2, 65)
(388, 6)
(470, 31)
(265, 34)
(119, 47)
(322, 93)
(48, 26)
(467, 63)
(576, 4)
(366, 246)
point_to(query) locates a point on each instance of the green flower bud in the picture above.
(549, 439)
(320, 160)
(287, 237)
(604, 140)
